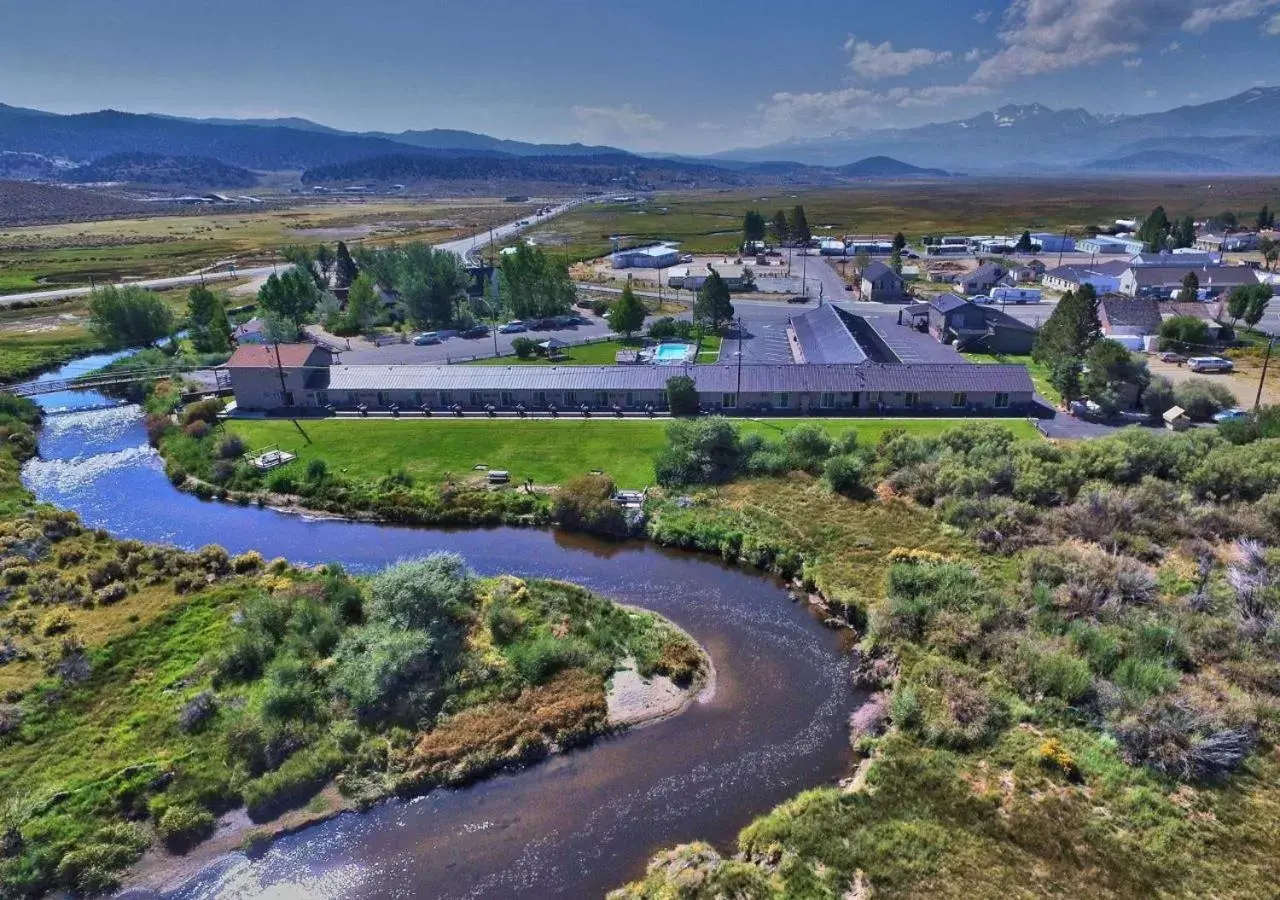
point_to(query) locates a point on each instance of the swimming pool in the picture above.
(665, 354)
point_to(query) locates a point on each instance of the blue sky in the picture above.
(661, 75)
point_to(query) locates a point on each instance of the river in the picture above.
(573, 826)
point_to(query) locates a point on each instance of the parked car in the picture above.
(543, 325)
(514, 327)
(1171, 357)
(475, 331)
(982, 298)
(425, 338)
(797, 299)
(1230, 415)
(1210, 364)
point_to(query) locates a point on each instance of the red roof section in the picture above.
(255, 356)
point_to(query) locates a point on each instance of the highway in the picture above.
(462, 247)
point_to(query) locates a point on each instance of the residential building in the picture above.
(1126, 316)
(658, 256)
(1102, 245)
(250, 332)
(1049, 242)
(1240, 242)
(822, 336)
(1209, 313)
(880, 284)
(1104, 277)
(839, 388)
(737, 277)
(1180, 257)
(1162, 281)
(276, 376)
(968, 325)
(982, 279)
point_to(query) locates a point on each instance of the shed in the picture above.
(1175, 419)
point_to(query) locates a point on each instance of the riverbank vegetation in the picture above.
(1076, 669)
(147, 690)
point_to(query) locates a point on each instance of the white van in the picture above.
(1015, 295)
(1210, 364)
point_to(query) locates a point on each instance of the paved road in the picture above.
(465, 246)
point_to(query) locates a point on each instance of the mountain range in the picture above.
(1234, 135)
(1243, 131)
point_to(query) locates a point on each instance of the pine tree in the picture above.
(345, 270)
(899, 242)
(780, 228)
(1264, 218)
(1024, 243)
(1190, 288)
(753, 226)
(895, 262)
(207, 320)
(1071, 330)
(714, 306)
(1155, 230)
(800, 225)
(626, 316)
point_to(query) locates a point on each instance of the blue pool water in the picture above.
(672, 353)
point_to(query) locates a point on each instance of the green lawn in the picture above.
(1039, 371)
(547, 451)
(603, 353)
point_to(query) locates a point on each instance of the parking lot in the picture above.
(454, 349)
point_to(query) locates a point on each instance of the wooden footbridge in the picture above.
(108, 379)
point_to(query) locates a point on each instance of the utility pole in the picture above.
(1257, 401)
(738, 389)
(280, 371)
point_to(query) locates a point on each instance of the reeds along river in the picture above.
(575, 825)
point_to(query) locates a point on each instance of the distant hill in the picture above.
(1156, 161)
(888, 167)
(157, 169)
(29, 203)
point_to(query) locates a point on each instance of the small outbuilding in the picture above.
(1176, 419)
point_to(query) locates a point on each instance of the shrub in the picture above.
(112, 593)
(1054, 756)
(544, 656)
(157, 426)
(504, 621)
(682, 396)
(917, 593)
(231, 447)
(430, 593)
(183, 826)
(700, 451)
(197, 429)
(197, 711)
(948, 704)
(585, 503)
(524, 347)
(202, 411)
(57, 622)
(317, 470)
(808, 447)
(387, 672)
(1201, 398)
(294, 783)
(1174, 740)
(244, 655)
(244, 563)
(846, 475)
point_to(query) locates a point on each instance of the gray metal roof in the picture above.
(945, 303)
(878, 270)
(1130, 312)
(717, 378)
(825, 338)
(1208, 276)
(986, 271)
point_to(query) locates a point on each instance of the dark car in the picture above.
(543, 325)
(475, 331)
(797, 299)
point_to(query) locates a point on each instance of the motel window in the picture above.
(602, 398)
(382, 398)
(959, 400)
(446, 398)
(507, 399)
(1002, 401)
(540, 398)
(911, 400)
(570, 398)
(729, 401)
(631, 398)
(855, 400)
(477, 398)
(662, 398)
(828, 400)
(322, 398)
(782, 401)
(418, 398)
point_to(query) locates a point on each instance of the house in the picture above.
(880, 284)
(968, 325)
(1180, 257)
(1241, 242)
(1102, 245)
(1122, 315)
(871, 388)
(1029, 273)
(737, 277)
(275, 376)
(1103, 276)
(253, 331)
(1050, 242)
(1207, 312)
(1162, 281)
(982, 279)
(658, 256)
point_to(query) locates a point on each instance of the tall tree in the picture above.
(430, 283)
(1258, 304)
(753, 226)
(1071, 329)
(292, 295)
(714, 306)
(362, 303)
(1024, 244)
(1264, 218)
(128, 316)
(779, 226)
(799, 225)
(1190, 290)
(1238, 303)
(895, 261)
(626, 316)
(899, 242)
(304, 259)
(1269, 247)
(1155, 230)
(207, 321)
(534, 285)
(1183, 233)
(344, 270)
(324, 263)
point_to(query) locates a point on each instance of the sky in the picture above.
(663, 75)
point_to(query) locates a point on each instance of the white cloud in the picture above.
(710, 126)
(1204, 17)
(982, 16)
(1172, 47)
(875, 61)
(933, 95)
(973, 55)
(604, 123)
(1132, 63)
(1150, 92)
(821, 112)
(1273, 26)
(1042, 36)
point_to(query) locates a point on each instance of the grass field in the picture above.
(547, 451)
(712, 222)
(36, 256)
(603, 353)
